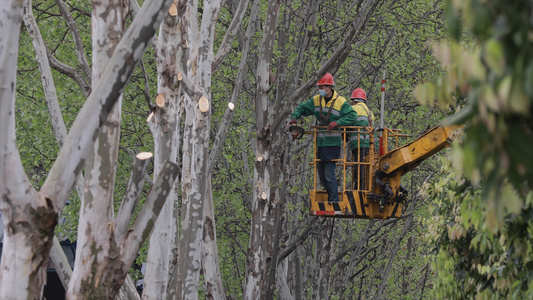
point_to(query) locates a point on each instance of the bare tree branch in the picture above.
(80, 51)
(100, 102)
(231, 31)
(70, 72)
(223, 127)
(367, 7)
(300, 239)
(132, 194)
(146, 219)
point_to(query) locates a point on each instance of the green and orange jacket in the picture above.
(341, 112)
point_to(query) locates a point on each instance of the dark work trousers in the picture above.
(326, 170)
(359, 155)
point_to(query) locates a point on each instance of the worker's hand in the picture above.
(291, 122)
(332, 125)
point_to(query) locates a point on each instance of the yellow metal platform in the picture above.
(353, 204)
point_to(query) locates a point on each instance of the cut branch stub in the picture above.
(150, 116)
(203, 104)
(173, 10)
(144, 155)
(160, 100)
(231, 106)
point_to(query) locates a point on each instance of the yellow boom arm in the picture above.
(407, 157)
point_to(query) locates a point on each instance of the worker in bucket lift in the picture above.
(360, 143)
(331, 110)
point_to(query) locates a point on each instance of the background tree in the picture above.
(483, 212)
(30, 216)
(314, 46)
(269, 55)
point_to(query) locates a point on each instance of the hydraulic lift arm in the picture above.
(407, 157)
(394, 164)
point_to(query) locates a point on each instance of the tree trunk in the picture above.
(57, 256)
(198, 104)
(385, 274)
(29, 219)
(95, 229)
(164, 126)
(213, 286)
(266, 201)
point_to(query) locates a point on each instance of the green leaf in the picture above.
(494, 56)
(511, 200)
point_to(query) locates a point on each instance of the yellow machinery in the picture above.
(380, 195)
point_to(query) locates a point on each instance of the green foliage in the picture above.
(471, 260)
(482, 224)
(494, 77)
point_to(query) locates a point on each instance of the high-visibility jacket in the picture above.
(365, 117)
(341, 112)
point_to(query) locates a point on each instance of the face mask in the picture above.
(322, 93)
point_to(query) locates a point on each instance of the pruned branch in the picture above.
(224, 125)
(154, 203)
(133, 192)
(106, 92)
(192, 89)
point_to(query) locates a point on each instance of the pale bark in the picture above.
(213, 286)
(95, 227)
(47, 80)
(284, 292)
(57, 255)
(132, 194)
(224, 125)
(30, 218)
(128, 291)
(196, 145)
(266, 200)
(27, 240)
(165, 129)
(84, 129)
(61, 263)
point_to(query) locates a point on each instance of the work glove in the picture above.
(332, 125)
(291, 122)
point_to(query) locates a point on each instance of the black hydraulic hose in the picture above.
(385, 187)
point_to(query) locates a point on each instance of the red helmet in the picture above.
(358, 94)
(326, 80)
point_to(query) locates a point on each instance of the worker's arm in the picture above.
(306, 108)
